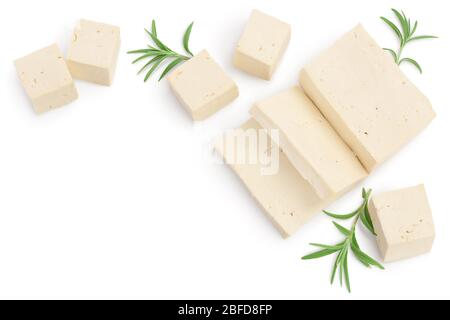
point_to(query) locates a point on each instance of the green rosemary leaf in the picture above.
(394, 28)
(414, 28)
(333, 272)
(141, 51)
(366, 223)
(324, 246)
(153, 68)
(364, 193)
(154, 28)
(346, 273)
(422, 38)
(320, 254)
(394, 54)
(408, 25)
(186, 38)
(409, 28)
(145, 56)
(158, 43)
(354, 242)
(341, 216)
(155, 59)
(336, 266)
(369, 219)
(403, 23)
(355, 249)
(362, 261)
(365, 258)
(171, 65)
(343, 230)
(343, 256)
(413, 62)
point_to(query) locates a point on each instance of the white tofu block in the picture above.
(262, 45)
(310, 143)
(366, 97)
(202, 86)
(403, 223)
(94, 51)
(288, 200)
(46, 79)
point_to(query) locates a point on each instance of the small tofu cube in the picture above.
(403, 223)
(262, 45)
(288, 200)
(93, 52)
(202, 86)
(366, 97)
(310, 143)
(46, 79)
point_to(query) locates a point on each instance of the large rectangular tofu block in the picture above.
(366, 97)
(262, 45)
(313, 147)
(202, 86)
(403, 222)
(287, 198)
(93, 52)
(46, 79)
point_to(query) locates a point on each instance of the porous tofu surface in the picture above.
(46, 79)
(403, 222)
(262, 45)
(310, 143)
(202, 86)
(366, 97)
(93, 51)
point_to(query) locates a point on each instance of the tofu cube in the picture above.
(288, 200)
(94, 51)
(202, 87)
(366, 97)
(262, 45)
(46, 79)
(403, 223)
(310, 143)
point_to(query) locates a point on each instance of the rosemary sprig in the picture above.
(406, 34)
(349, 244)
(158, 53)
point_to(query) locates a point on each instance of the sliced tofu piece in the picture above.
(202, 86)
(366, 97)
(46, 79)
(262, 45)
(310, 143)
(403, 222)
(287, 198)
(93, 52)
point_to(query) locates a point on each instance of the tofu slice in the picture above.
(366, 97)
(46, 79)
(403, 222)
(202, 86)
(93, 52)
(288, 199)
(310, 143)
(262, 45)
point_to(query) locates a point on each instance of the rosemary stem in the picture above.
(399, 54)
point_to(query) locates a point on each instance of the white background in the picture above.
(117, 195)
